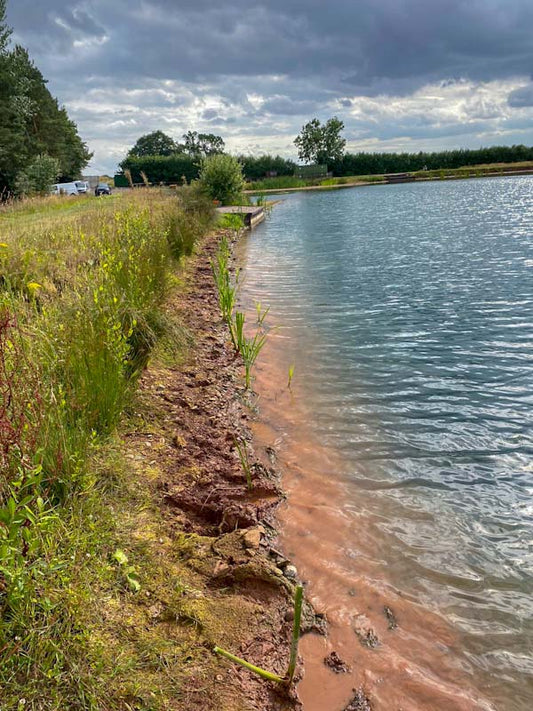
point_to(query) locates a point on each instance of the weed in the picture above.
(245, 463)
(291, 374)
(230, 221)
(130, 575)
(249, 348)
(261, 315)
(227, 290)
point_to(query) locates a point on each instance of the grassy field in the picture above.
(82, 288)
(474, 171)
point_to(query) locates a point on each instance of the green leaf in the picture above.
(120, 557)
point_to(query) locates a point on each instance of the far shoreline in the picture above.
(417, 179)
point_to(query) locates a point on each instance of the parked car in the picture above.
(64, 189)
(102, 189)
(83, 186)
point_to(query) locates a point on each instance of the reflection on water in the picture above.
(408, 311)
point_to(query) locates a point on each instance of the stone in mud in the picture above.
(252, 538)
(365, 633)
(291, 572)
(391, 617)
(313, 621)
(368, 639)
(359, 702)
(335, 663)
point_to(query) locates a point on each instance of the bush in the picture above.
(39, 176)
(221, 178)
(162, 169)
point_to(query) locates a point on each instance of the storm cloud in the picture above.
(458, 72)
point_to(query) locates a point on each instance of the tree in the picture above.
(47, 127)
(39, 176)
(202, 144)
(5, 31)
(156, 143)
(221, 178)
(31, 121)
(319, 143)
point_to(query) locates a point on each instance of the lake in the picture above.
(407, 312)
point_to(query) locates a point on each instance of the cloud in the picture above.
(521, 97)
(256, 71)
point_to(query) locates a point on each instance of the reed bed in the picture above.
(249, 347)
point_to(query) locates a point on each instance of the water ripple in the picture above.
(411, 311)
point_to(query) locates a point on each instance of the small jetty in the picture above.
(392, 178)
(252, 214)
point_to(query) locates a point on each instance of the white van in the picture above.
(83, 186)
(64, 189)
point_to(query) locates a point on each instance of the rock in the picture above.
(335, 663)
(391, 618)
(360, 702)
(291, 572)
(221, 569)
(252, 538)
(179, 441)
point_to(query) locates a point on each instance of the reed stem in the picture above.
(298, 598)
(257, 670)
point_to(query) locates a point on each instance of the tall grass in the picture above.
(226, 286)
(80, 310)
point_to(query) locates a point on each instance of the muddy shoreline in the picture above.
(200, 409)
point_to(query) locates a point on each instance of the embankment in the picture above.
(130, 541)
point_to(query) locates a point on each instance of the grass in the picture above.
(82, 285)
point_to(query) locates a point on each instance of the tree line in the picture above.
(379, 163)
(178, 167)
(39, 144)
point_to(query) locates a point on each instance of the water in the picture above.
(409, 310)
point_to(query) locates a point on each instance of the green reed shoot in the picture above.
(261, 315)
(269, 676)
(291, 374)
(298, 600)
(245, 462)
(249, 348)
(227, 291)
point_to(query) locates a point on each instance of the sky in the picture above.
(403, 75)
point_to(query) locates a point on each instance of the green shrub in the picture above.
(228, 221)
(221, 178)
(39, 176)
